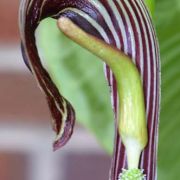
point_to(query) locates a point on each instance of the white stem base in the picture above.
(133, 150)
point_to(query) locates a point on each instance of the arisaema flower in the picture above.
(120, 32)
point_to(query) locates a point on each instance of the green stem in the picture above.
(132, 120)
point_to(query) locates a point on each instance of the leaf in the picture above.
(168, 28)
(151, 5)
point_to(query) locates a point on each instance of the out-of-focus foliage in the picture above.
(151, 5)
(79, 76)
(168, 29)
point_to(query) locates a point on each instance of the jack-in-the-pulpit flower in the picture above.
(121, 33)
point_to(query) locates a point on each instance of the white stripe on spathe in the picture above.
(137, 26)
(120, 23)
(107, 19)
(30, 4)
(130, 30)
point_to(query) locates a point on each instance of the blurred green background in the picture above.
(80, 77)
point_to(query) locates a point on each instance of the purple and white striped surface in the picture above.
(124, 24)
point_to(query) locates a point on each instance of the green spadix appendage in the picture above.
(132, 118)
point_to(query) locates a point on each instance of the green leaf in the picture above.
(168, 29)
(151, 5)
